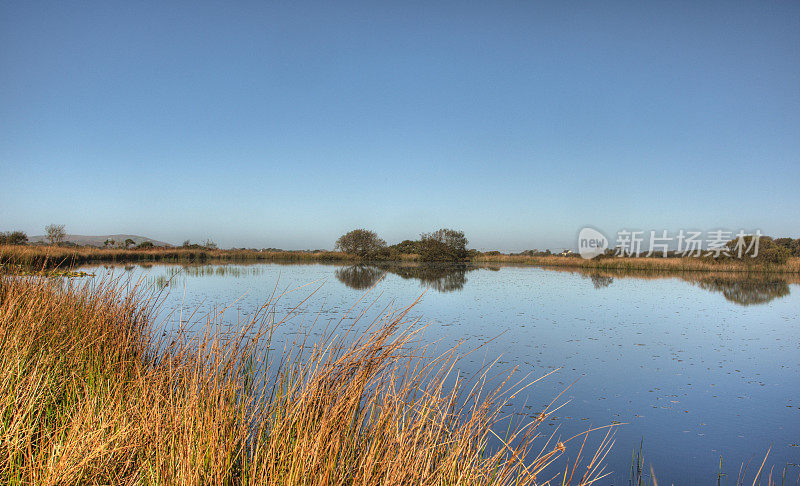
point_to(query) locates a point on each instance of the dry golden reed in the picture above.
(39, 256)
(94, 393)
(686, 264)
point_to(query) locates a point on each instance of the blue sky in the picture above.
(285, 124)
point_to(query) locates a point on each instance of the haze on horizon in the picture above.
(287, 124)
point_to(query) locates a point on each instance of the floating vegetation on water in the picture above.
(21, 270)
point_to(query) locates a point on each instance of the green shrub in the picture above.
(407, 247)
(769, 251)
(13, 238)
(362, 242)
(444, 245)
(792, 245)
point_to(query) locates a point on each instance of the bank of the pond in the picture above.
(685, 264)
(39, 256)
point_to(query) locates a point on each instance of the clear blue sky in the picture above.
(288, 123)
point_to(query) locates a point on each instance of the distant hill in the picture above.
(99, 241)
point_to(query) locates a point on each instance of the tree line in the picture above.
(448, 245)
(443, 245)
(56, 235)
(54, 232)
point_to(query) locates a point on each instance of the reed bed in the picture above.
(689, 276)
(40, 256)
(64, 257)
(652, 263)
(93, 392)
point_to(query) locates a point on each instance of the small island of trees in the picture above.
(443, 245)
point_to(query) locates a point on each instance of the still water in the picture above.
(696, 366)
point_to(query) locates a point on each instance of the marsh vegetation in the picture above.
(93, 395)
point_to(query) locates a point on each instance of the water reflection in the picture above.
(440, 277)
(359, 277)
(443, 278)
(741, 289)
(747, 291)
(599, 281)
(236, 271)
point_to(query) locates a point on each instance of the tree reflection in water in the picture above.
(359, 277)
(599, 280)
(440, 277)
(746, 291)
(741, 289)
(443, 277)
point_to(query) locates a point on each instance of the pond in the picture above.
(696, 366)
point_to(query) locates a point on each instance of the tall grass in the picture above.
(65, 257)
(91, 393)
(686, 264)
(39, 256)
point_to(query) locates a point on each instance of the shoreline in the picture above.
(67, 257)
(685, 264)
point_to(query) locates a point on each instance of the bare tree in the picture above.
(55, 233)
